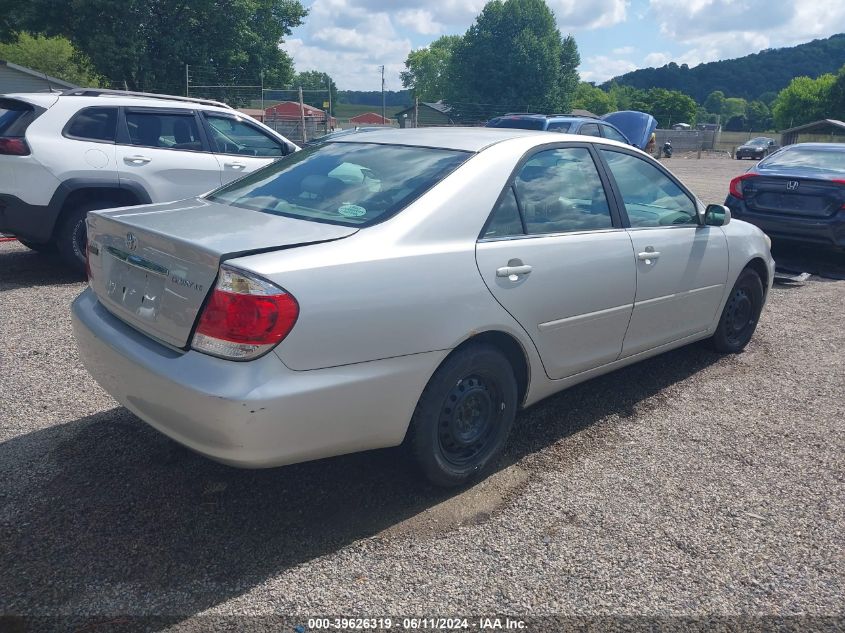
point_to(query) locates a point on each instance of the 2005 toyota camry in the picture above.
(406, 285)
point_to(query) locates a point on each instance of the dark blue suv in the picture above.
(630, 127)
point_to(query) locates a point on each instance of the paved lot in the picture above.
(689, 484)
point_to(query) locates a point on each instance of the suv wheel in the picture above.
(71, 236)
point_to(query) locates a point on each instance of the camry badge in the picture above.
(792, 185)
(131, 241)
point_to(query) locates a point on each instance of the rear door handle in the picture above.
(513, 272)
(648, 256)
(236, 165)
(136, 160)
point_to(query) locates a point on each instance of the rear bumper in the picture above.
(829, 231)
(30, 221)
(250, 414)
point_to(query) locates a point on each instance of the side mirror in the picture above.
(717, 215)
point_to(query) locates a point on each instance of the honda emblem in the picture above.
(131, 241)
(792, 185)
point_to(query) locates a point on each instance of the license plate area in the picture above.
(134, 286)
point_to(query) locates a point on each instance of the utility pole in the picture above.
(302, 116)
(262, 92)
(383, 117)
(187, 82)
(329, 117)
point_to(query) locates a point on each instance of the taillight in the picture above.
(245, 316)
(736, 185)
(13, 146)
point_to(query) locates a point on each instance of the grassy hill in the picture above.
(751, 77)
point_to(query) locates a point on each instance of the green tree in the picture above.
(427, 73)
(837, 96)
(316, 80)
(759, 116)
(146, 43)
(596, 100)
(670, 107)
(734, 107)
(629, 98)
(54, 56)
(714, 102)
(804, 100)
(513, 55)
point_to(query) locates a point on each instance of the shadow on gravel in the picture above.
(105, 514)
(21, 267)
(817, 260)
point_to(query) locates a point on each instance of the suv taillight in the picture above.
(13, 146)
(736, 185)
(245, 316)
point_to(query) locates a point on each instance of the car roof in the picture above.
(467, 139)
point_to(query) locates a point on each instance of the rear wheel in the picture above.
(464, 415)
(71, 235)
(740, 315)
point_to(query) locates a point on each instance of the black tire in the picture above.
(71, 235)
(740, 314)
(41, 247)
(464, 416)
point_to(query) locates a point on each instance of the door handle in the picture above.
(648, 256)
(236, 165)
(513, 272)
(136, 160)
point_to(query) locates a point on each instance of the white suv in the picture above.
(64, 154)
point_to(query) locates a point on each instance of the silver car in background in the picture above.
(418, 285)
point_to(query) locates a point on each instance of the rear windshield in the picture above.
(15, 116)
(518, 123)
(808, 158)
(351, 184)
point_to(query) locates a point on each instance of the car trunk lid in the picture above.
(793, 195)
(153, 266)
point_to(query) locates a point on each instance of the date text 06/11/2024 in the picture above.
(412, 624)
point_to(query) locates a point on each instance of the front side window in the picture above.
(560, 191)
(613, 134)
(234, 136)
(351, 184)
(651, 198)
(94, 124)
(168, 131)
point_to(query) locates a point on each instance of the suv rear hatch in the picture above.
(153, 266)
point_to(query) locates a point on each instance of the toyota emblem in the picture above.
(792, 185)
(131, 241)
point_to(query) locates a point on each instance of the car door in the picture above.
(554, 255)
(164, 150)
(240, 146)
(682, 265)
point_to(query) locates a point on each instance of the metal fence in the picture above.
(688, 140)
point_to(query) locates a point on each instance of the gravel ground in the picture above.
(691, 484)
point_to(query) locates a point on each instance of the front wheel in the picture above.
(464, 415)
(740, 315)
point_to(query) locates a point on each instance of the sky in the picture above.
(351, 39)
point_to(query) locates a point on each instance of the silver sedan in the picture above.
(419, 285)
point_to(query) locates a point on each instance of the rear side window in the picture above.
(93, 124)
(589, 129)
(165, 130)
(559, 126)
(15, 117)
(351, 184)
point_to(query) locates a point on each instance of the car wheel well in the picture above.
(109, 196)
(759, 267)
(512, 350)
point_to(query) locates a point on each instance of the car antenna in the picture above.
(47, 79)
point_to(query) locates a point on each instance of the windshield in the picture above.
(758, 141)
(518, 123)
(809, 158)
(351, 184)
